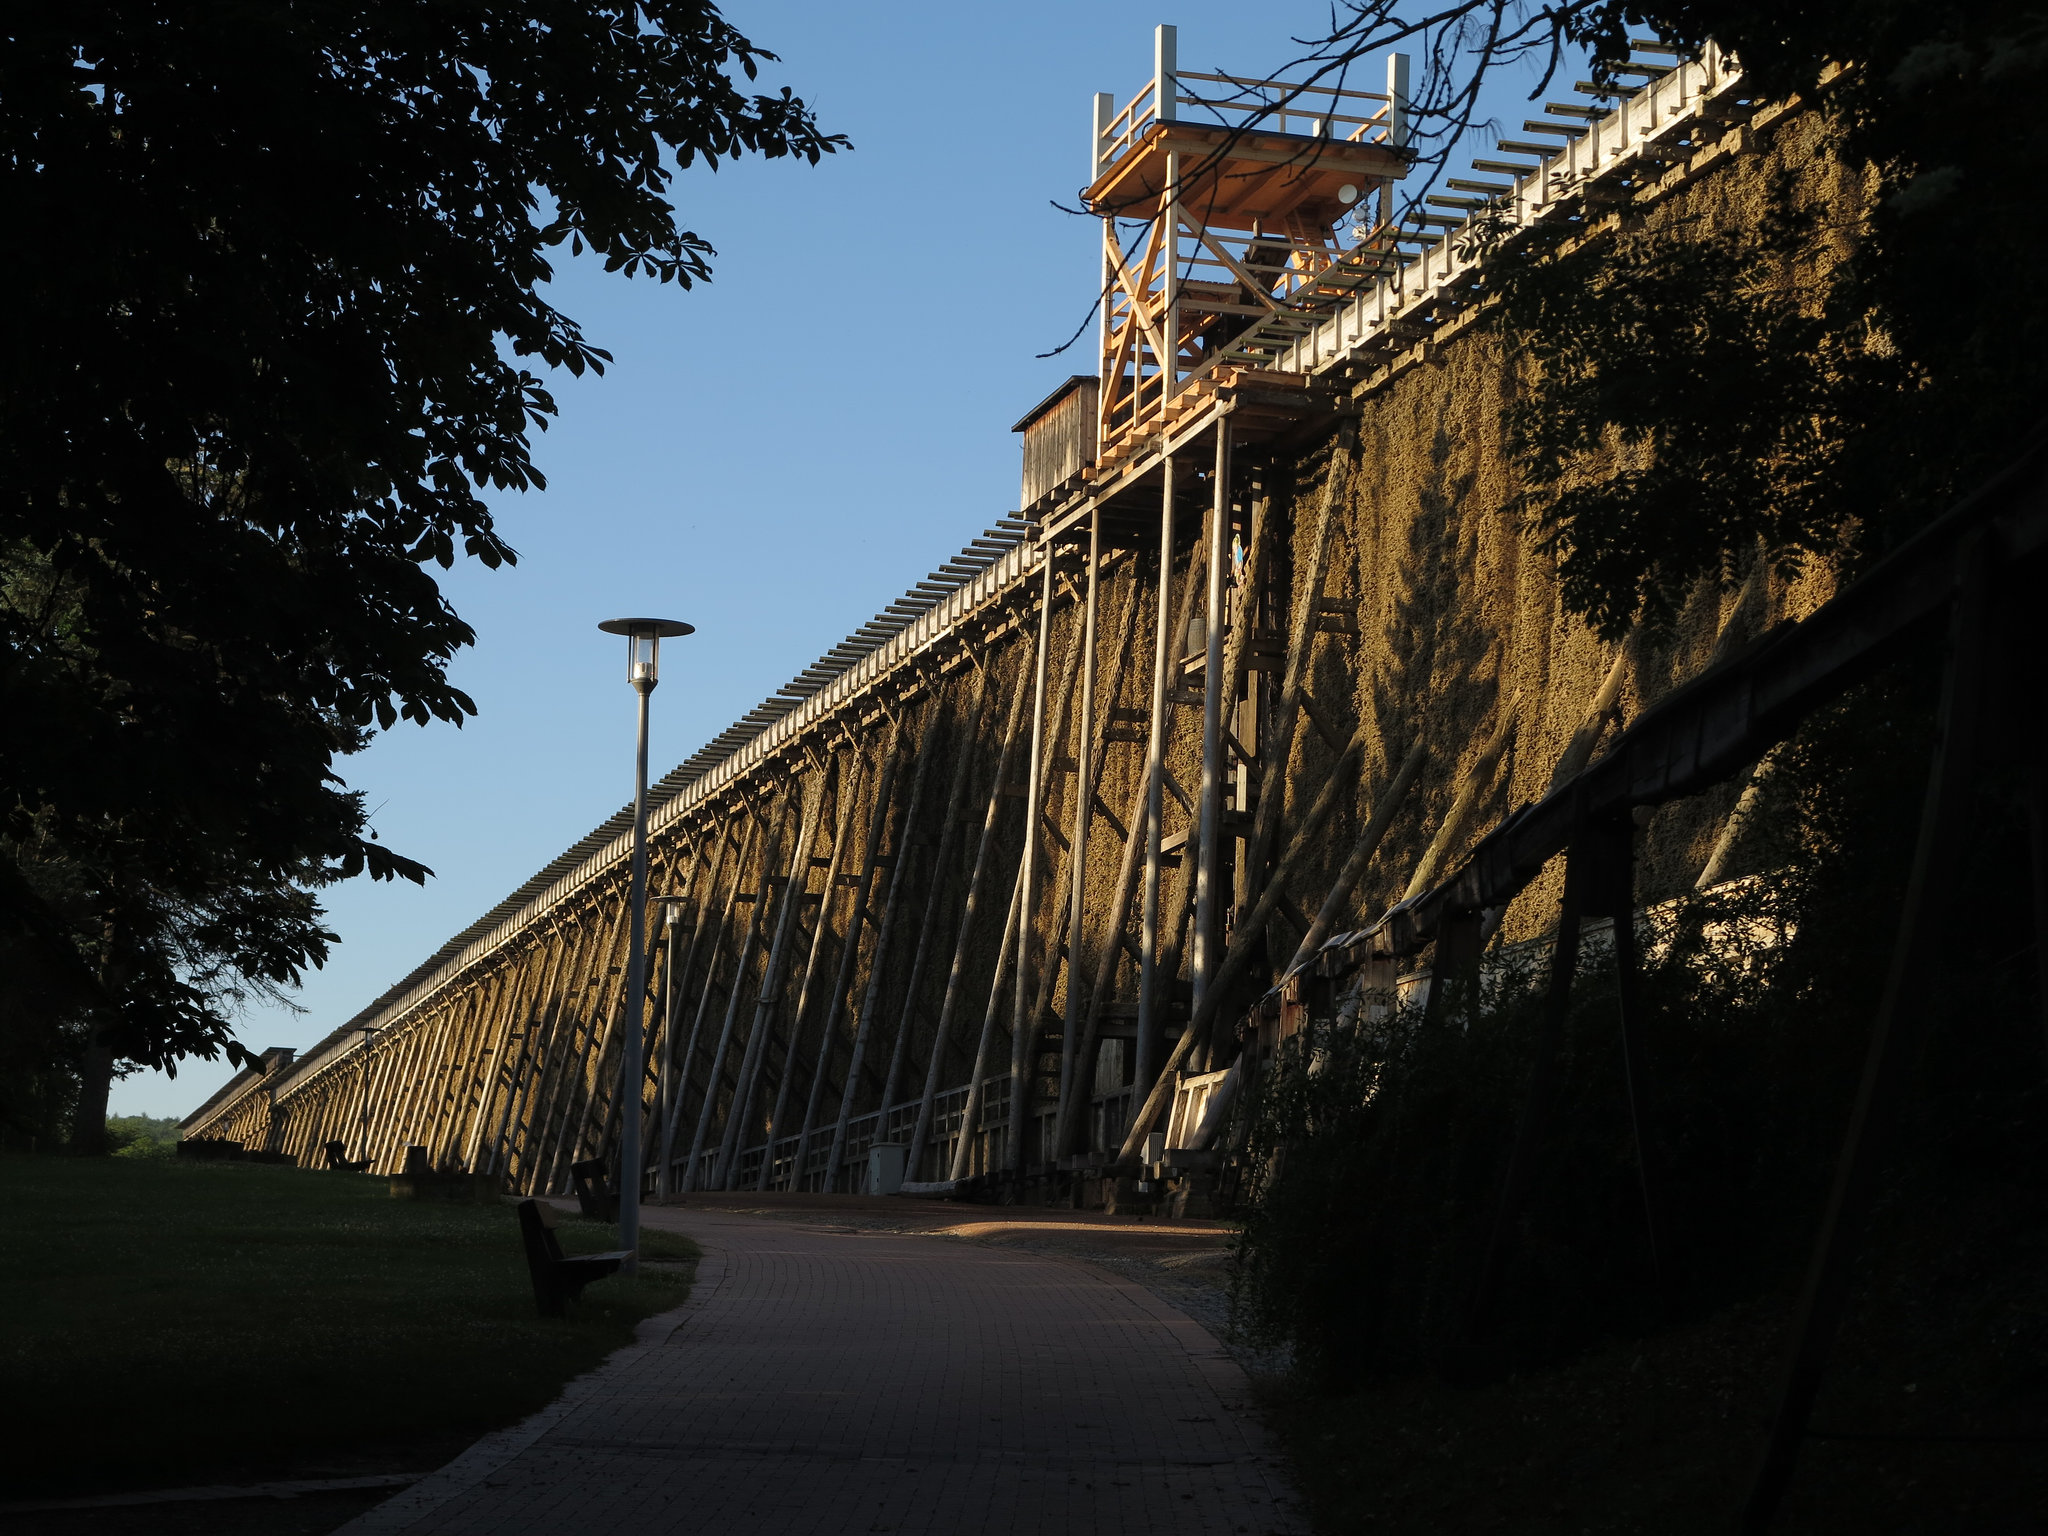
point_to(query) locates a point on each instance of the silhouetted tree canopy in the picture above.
(276, 325)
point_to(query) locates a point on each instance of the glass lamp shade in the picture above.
(643, 645)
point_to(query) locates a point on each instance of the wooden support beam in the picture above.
(1905, 1015)
(1478, 780)
(844, 812)
(676, 991)
(768, 1001)
(849, 953)
(977, 1082)
(1165, 642)
(966, 737)
(956, 976)
(1021, 1023)
(754, 824)
(1277, 750)
(695, 1171)
(1218, 690)
(878, 961)
(1362, 850)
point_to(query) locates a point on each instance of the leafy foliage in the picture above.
(277, 276)
(142, 1136)
(1378, 1146)
(1690, 400)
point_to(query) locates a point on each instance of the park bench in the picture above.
(338, 1160)
(594, 1195)
(558, 1278)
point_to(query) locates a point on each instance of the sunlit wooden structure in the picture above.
(981, 884)
(1233, 210)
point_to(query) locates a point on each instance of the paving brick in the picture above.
(833, 1383)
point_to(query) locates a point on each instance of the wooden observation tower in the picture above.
(1235, 213)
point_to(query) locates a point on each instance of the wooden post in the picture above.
(678, 988)
(675, 965)
(967, 736)
(1616, 853)
(1478, 779)
(1278, 748)
(709, 990)
(1164, 644)
(878, 961)
(1244, 939)
(849, 954)
(956, 976)
(1079, 1015)
(524, 1132)
(1021, 1029)
(1216, 692)
(768, 1000)
(1361, 851)
(1544, 1074)
(1905, 1014)
(526, 971)
(1084, 813)
(1073, 1108)
(549, 954)
(1025, 1048)
(848, 803)
(977, 1082)
(715, 1074)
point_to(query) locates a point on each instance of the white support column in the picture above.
(1166, 72)
(1165, 93)
(1397, 100)
(1215, 688)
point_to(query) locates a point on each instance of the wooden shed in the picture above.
(1059, 438)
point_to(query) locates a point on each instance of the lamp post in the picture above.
(643, 659)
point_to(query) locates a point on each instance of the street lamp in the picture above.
(643, 660)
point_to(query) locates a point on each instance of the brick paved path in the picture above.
(823, 1382)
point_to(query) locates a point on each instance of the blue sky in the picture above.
(773, 456)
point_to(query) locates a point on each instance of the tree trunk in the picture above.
(89, 1120)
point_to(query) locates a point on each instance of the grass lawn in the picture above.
(174, 1323)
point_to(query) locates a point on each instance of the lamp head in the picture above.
(643, 645)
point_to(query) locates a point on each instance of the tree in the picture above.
(1816, 409)
(277, 318)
